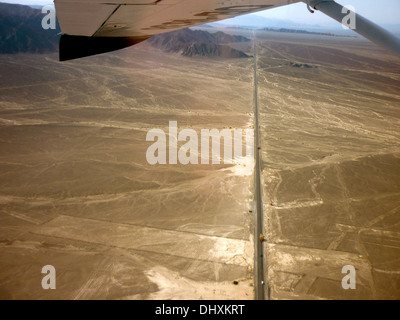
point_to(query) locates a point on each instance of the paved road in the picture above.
(261, 291)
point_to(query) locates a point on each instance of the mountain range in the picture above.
(21, 30)
(192, 43)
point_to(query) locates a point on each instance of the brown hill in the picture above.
(212, 50)
(192, 43)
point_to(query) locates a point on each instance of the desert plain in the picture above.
(76, 191)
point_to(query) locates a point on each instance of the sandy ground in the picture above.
(331, 153)
(76, 191)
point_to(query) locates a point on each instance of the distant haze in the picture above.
(382, 12)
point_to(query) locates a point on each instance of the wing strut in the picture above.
(365, 27)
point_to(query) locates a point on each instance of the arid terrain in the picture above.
(330, 125)
(76, 191)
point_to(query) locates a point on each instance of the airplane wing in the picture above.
(141, 18)
(96, 26)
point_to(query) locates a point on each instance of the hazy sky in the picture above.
(380, 11)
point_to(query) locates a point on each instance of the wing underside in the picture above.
(91, 27)
(141, 18)
(97, 26)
